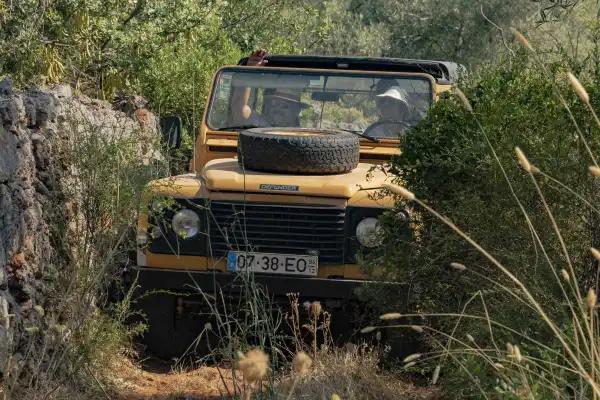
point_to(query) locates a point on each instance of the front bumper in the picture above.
(151, 278)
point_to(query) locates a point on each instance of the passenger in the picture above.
(394, 112)
(281, 107)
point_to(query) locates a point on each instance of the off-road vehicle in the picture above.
(281, 186)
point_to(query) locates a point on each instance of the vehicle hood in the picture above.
(226, 175)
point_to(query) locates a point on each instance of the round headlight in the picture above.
(186, 224)
(369, 232)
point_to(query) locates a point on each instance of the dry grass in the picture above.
(352, 373)
(133, 382)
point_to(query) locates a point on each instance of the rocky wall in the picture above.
(34, 125)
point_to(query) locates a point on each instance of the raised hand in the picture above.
(257, 58)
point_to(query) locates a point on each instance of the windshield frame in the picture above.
(211, 100)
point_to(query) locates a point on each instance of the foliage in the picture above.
(164, 50)
(448, 161)
(337, 30)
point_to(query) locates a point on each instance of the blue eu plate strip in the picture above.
(232, 261)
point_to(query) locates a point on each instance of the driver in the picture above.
(394, 111)
(281, 107)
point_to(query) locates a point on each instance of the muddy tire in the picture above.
(298, 151)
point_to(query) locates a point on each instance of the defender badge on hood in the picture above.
(285, 188)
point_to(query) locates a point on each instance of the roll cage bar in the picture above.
(444, 72)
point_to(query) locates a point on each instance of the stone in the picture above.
(62, 91)
(36, 182)
(6, 86)
(4, 316)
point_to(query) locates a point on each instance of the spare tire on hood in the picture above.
(298, 150)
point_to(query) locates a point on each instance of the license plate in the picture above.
(272, 263)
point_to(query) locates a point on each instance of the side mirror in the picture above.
(171, 131)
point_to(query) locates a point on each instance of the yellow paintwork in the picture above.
(186, 186)
(439, 89)
(215, 175)
(226, 175)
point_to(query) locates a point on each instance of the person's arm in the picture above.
(240, 110)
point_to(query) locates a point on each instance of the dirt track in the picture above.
(156, 381)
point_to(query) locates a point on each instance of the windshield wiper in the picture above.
(236, 127)
(362, 135)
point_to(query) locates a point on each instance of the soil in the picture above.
(153, 379)
(156, 380)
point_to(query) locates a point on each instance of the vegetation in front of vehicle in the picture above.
(536, 288)
(448, 158)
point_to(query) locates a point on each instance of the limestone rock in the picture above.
(34, 126)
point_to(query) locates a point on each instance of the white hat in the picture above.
(396, 93)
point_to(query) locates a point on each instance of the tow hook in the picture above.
(179, 308)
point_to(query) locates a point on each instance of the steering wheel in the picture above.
(374, 125)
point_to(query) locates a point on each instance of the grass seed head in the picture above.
(390, 316)
(523, 161)
(595, 253)
(399, 190)
(458, 266)
(595, 171)
(578, 88)
(463, 98)
(410, 364)
(417, 328)
(436, 375)
(412, 357)
(510, 349)
(517, 354)
(498, 366)
(521, 39)
(254, 365)
(470, 338)
(316, 308)
(335, 397)
(301, 363)
(591, 299)
(565, 275)
(368, 329)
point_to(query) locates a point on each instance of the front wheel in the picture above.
(174, 326)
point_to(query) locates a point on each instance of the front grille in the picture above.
(275, 228)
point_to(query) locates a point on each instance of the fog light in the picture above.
(369, 232)
(186, 224)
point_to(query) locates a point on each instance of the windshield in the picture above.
(379, 106)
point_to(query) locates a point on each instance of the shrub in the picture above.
(450, 161)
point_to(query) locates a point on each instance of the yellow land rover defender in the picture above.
(281, 186)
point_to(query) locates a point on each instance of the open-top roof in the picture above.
(443, 71)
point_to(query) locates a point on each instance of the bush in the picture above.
(448, 161)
